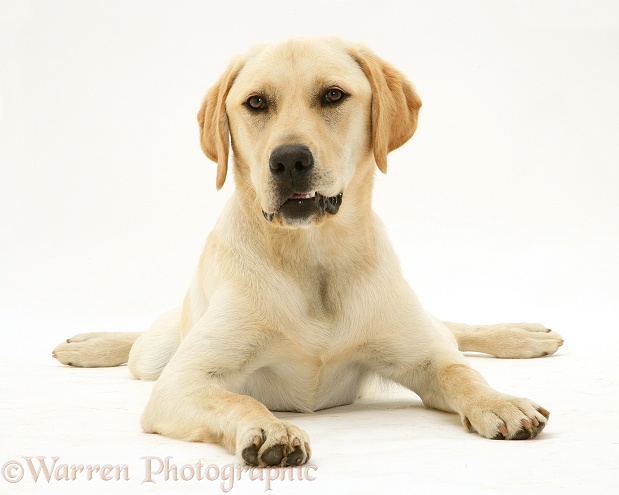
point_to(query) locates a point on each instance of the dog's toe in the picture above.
(273, 455)
(250, 454)
(295, 457)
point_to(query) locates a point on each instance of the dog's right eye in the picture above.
(256, 103)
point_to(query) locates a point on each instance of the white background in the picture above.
(504, 205)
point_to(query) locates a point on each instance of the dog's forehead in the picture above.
(299, 64)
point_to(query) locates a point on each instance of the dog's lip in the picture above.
(330, 204)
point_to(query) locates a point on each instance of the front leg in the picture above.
(194, 397)
(427, 361)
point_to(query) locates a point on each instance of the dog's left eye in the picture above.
(333, 95)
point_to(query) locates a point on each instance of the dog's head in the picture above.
(307, 120)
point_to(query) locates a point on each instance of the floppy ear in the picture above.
(395, 105)
(213, 121)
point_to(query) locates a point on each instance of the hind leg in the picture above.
(506, 340)
(154, 348)
(94, 350)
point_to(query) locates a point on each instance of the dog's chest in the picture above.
(318, 291)
(306, 385)
(318, 363)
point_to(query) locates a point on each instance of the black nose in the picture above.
(291, 162)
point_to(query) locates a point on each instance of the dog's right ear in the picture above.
(213, 121)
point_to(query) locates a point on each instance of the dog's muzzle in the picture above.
(292, 170)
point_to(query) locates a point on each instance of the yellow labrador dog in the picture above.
(298, 300)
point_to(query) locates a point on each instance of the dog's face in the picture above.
(299, 116)
(304, 116)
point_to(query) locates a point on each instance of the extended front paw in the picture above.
(506, 418)
(278, 444)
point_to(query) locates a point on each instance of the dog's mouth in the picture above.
(302, 206)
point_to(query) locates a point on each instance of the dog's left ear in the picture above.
(213, 121)
(395, 105)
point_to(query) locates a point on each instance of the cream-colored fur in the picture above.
(297, 313)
